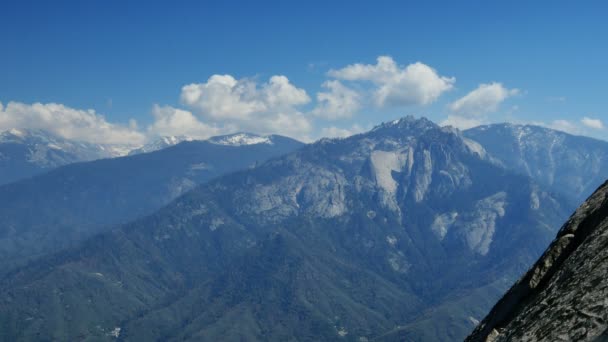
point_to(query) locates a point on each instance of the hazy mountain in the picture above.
(25, 153)
(404, 232)
(73, 202)
(572, 165)
(563, 296)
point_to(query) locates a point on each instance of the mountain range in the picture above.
(409, 231)
(571, 165)
(26, 153)
(70, 203)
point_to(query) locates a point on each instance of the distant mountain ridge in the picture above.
(53, 210)
(25, 153)
(161, 143)
(235, 139)
(403, 232)
(568, 164)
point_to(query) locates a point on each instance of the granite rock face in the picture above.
(563, 297)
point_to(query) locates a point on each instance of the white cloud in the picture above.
(336, 132)
(70, 123)
(461, 122)
(415, 84)
(280, 93)
(271, 107)
(592, 123)
(472, 109)
(565, 126)
(338, 102)
(172, 121)
(483, 100)
(222, 96)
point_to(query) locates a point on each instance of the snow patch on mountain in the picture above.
(240, 139)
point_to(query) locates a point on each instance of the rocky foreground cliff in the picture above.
(563, 297)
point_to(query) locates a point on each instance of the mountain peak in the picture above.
(408, 125)
(408, 122)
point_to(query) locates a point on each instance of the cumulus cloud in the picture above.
(461, 122)
(70, 123)
(338, 102)
(337, 132)
(472, 109)
(592, 123)
(565, 126)
(271, 107)
(415, 84)
(483, 100)
(173, 121)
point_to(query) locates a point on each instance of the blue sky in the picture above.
(116, 71)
